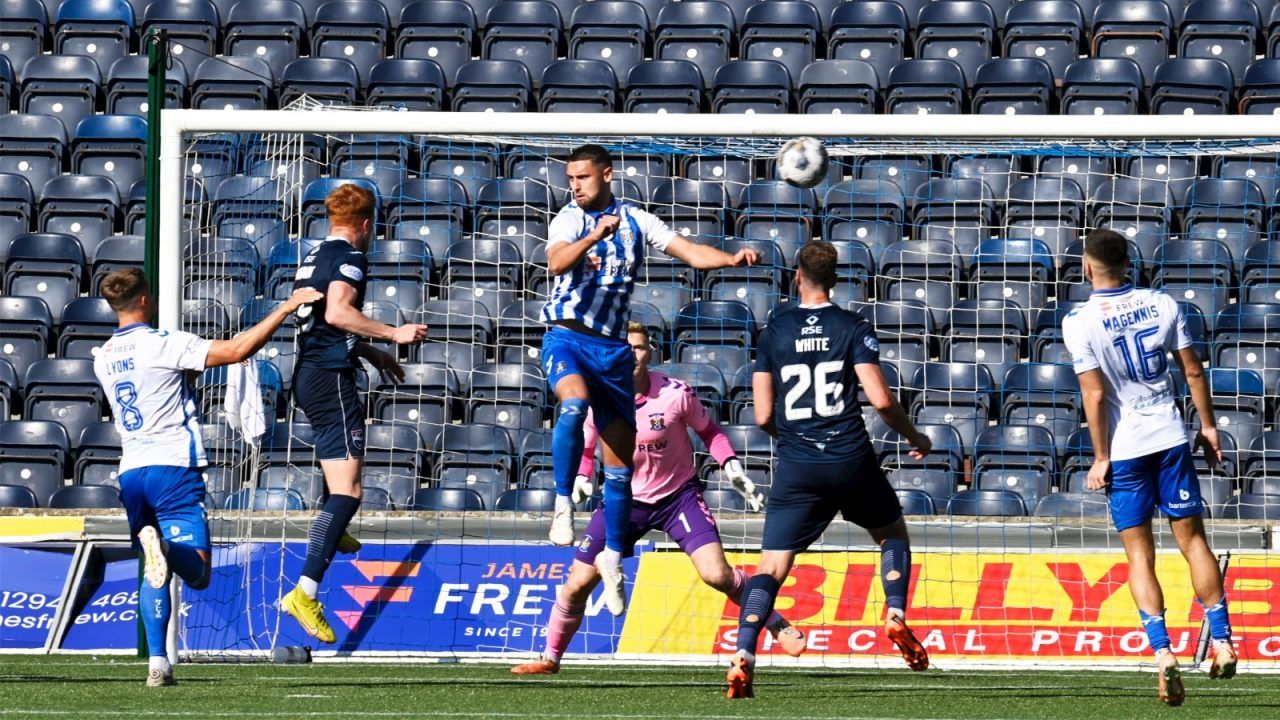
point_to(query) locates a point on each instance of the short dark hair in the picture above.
(595, 153)
(817, 261)
(123, 287)
(1109, 249)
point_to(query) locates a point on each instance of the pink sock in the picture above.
(560, 630)
(735, 594)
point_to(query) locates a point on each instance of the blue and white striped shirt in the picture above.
(597, 291)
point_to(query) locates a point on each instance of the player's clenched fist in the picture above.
(409, 334)
(746, 258)
(302, 296)
(606, 226)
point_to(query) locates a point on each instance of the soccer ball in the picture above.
(802, 162)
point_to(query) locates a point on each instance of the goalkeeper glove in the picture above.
(582, 489)
(742, 484)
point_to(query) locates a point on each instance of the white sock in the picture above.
(563, 502)
(750, 656)
(896, 613)
(609, 558)
(161, 663)
(308, 586)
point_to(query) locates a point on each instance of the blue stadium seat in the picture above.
(1196, 271)
(86, 497)
(489, 483)
(462, 321)
(1192, 86)
(27, 329)
(1273, 31)
(506, 391)
(1260, 272)
(963, 31)
(867, 211)
(34, 454)
(250, 207)
(1262, 170)
(493, 86)
(956, 210)
(1230, 210)
(17, 209)
(724, 501)
(578, 86)
(274, 30)
(24, 31)
(8, 385)
(694, 208)
(784, 30)
(526, 500)
(64, 391)
(1226, 30)
(956, 394)
(1051, 30)
(995, 503)
(486, 270)
(307, 481)
(193, 28)
(1263, 456)
(774, 211)
(111, 146)
(754, 86)
(1015, 270)
(708, 382)
(936, 473)
(1142, 211)
(1061, 505)
(63, 86)
(447, 500)
(397, 446)
(1260, 88)
(838, 87)
(1022, 459)
(407, 259)
(699, 31)
(233, 82)
(355, 30)
(394, 485)
(1244, 337)
(8, 86)
(1014, 86)
(377, 162)
(16, 496)
(86, 324)
(527, 32)
(614, 31)
(102, 30)
(83, 206)
(442, 31)
(872, 31)
(669, 86)
(428, 209)
(1103, 86)
(925, 86)
(1050, 209)
(413, 84)
(1042, 394)
(329, 80)
(986, 332)
(1140, 30)
(474, 446)
(906, 330)
(1239, 404)
(1252, 507)
(265, 500)
(49, 266)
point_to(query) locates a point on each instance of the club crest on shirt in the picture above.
(585, 545)
(357, 437)
(657, 422)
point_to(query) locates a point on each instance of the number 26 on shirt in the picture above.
(827, 393)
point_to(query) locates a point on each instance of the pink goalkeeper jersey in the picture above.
(664, 453)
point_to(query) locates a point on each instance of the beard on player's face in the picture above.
(589, 184)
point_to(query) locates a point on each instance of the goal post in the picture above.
(959, 239)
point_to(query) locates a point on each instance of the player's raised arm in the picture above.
(243, 346)
(705, 257)
(882, 398)
(565, 251)
(341, 312)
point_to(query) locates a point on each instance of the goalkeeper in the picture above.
(667, 495)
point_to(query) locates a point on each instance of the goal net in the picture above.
(959, 239)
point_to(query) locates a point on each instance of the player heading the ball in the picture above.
(1118, 342)
(595, 247)
(146, 374)
(330, 346)
(810, 361)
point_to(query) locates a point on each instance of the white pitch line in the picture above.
(451, 714)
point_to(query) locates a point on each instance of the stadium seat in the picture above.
(1042, 394)
(307, 481)
(413, 84)
(63, 86)
(102, 30)
(1252, 507)
(1192, 86)
(86, 497)
(1229, 210)
(578, 86)
(233, 82)
(80, 206)
(474, 447)
(963, 31)
(698, 31)
(751, 86)
(8, 86)
(110, 146)
(492, 86)
(1022, 459)
(1196, 271)
(430, 210)
(838, 87)
(27, 330)
(708, 382)
(8, 385)
(506, 391)
(1061, 505)
(1103, 86)
(461, 321)
(784, 30)
(1226, 30)
(520, 327)
(1014, 86)
(1141, 211)
(1050, 209)
(925, 86)
(34, 454)
(86, 324)
(24, 31)
(251, 207)
(719, 322)
(986, 332)
(1051, 30)
(273, 30)
(442, 31)
(872, 31)
(1244, 337)
(49, 266)
(396, 485)
(664, 86)
(916, 502)
(907, 332)
(446, 500)
(1020, 271)
(1260, 272)
(1140, 30)
(17, 209)
(355, 30)
(867, 211)
(526, 500)
(193, 28)
(16, 496)
(936, 472)
(486, 270)
(98, 456)
(956, 394)
(960, 211)
(526, 32)
(328, 80)
(995, 503)
(265, 500)
(1260, 88)
(397, 446)
(614, 31)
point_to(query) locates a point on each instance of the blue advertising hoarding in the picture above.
(31, 583)
(109, 620)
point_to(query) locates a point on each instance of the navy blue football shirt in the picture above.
(319, 343)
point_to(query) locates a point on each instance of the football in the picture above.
(802, 162)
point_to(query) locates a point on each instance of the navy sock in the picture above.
(1157, 633)
(154, 606)
(1219, 620)
(617, 506)
(757, 605)
(895, 557)
(566, 444)
(326, 531)
(187, 564)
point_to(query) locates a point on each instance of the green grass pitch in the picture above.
(93, 687)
